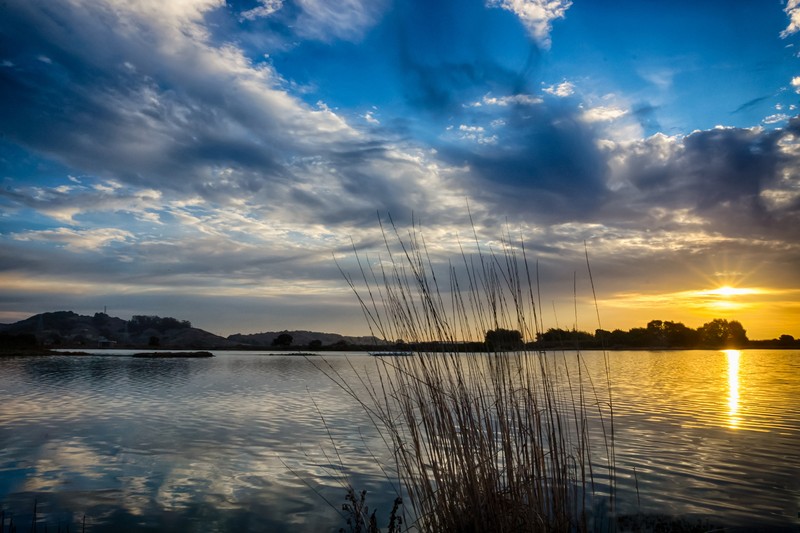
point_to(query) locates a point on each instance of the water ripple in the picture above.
(236, 443)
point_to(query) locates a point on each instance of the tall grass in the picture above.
(492, 441)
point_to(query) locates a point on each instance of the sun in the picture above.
(727, 290)
(725, 298)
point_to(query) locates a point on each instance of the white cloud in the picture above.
(774, 119)
(516, 99)
(662, 78)
(267, 8)
(63, 203)
(563, 89)
(76, 240)
(603, 114)
(107, 186)
(179, 18)
(776, 199)
(338, 19)
(368, 116)
(324, 19)
(793, 10)
(476, 134)
(796, 82)
(536, 15)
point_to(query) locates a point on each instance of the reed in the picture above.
(492, 441)
(7, 524)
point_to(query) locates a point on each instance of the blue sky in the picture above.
(205, 159)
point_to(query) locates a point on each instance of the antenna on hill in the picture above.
(105, 310)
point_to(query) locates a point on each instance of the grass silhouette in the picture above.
(490, 441)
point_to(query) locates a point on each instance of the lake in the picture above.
(237, 442)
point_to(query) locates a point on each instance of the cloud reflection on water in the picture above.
(235, 443)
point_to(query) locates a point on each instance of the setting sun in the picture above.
(723, 297)
(766, 312)
(731, 291)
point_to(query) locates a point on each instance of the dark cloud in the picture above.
(751, 103)
(724, 175)
(646, 115)
(445, 59)
(545, 163)
(442, 88)
(105, 103)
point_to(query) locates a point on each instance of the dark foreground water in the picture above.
(237, 442)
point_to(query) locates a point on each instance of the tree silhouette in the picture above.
(284, 339)
(503, 339)
(720, 333)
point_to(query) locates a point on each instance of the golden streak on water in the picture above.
(733, 387)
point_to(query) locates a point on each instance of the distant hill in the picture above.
(301, 338)
(69, 329)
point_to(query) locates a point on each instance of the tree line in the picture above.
(658, 334)
(718, 333)
(140, 323)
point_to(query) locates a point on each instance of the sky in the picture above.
(208, 159)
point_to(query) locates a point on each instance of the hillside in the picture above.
(68, 329)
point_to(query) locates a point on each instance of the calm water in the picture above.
(236, 443)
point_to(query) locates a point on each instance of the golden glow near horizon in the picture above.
(728, 287)
(724, 297)
(733, 387)
(765, 312)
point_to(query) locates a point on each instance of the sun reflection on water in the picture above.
(733, 387)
